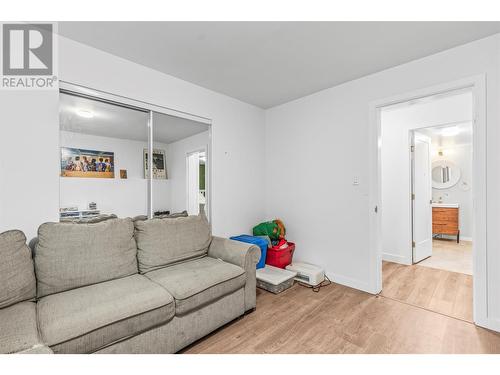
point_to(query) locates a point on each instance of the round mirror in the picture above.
(445, 174)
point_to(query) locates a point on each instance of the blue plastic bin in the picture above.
(259, 241)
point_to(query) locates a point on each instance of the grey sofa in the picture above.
(121, 286)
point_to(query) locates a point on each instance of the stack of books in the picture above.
(73, 213)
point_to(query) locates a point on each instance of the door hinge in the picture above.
(412, 148)
(412, 243)
(376, 209)
(413, 196)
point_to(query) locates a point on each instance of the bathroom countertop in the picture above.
(446, 205)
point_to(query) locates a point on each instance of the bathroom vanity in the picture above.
(445, 219)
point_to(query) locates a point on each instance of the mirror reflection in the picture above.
(104, 162)
(441, 174)
(445, 174)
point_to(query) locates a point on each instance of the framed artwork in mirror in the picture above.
(77, 162)
(159, 164)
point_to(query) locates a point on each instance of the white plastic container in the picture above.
(307, 273)
(273, 279)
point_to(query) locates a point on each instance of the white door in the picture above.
(193, 183)
(422, 197)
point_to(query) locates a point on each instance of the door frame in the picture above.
(480, 286)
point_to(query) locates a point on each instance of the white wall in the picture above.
(177, 152)
(317, 145)
(396, 169)
(29, 159)
(127, 197)
(461, 155)
(30, 133)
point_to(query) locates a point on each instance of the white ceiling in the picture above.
(270, 63)
(464, 136)
(119, 122)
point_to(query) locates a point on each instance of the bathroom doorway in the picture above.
(444, 169)
(426, 196)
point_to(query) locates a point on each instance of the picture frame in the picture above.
(159, 164)
(83, 163)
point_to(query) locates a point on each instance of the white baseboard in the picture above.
(489, 323)
(350, 282)
(395, 258)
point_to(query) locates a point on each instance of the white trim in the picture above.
(410, 249)
(396, 258)
(350, 282)
(150, 164)
(490, 323)
(478, 85)
(86, 91)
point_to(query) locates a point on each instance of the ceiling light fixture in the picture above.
(450, 132)
(85, 113)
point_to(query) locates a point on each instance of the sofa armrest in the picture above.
(234, 252)
(240, 254)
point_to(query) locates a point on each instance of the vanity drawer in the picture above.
(445, 220)
(444, 212)
(444, 228)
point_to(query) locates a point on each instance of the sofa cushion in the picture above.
(18, 328)
(70, 255)
(17, 276)
(198, 282)
(161, 242)
(85, 319)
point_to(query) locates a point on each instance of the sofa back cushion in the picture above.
(17, 276)
(72, 255)
(161, 242)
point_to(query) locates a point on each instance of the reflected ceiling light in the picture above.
(84, 113)
(450, 132)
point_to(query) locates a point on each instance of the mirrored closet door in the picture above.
(181, 187)
(127, 160)
(101, 146)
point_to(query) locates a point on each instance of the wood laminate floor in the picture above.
(339, 319)
(446, 292)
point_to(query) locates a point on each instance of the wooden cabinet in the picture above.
(445, 221)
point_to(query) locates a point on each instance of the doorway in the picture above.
(418, 131)
(404, 262)
(196, 164)
(449, 174)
